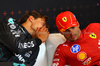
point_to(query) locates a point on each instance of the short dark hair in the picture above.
(34, 14)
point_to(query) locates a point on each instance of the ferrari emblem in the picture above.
(92, 35)
(64, 19)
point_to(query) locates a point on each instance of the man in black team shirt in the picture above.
(20, 42)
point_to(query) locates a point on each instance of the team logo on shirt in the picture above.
(75, 48)
(11, 20)
(92, 35)
(81, 56)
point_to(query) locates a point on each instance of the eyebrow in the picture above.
(70, 27)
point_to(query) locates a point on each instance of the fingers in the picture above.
(42, 33)
(44, 29)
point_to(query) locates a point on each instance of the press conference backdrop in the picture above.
(86, 11)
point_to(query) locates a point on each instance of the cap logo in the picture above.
(62, 30)
(64, 19)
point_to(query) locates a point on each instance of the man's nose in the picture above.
(71, 31)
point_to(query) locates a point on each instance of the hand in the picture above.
(42, 33)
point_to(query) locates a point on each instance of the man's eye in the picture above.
(44, 24)
(72, 27)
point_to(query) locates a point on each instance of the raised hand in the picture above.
(42, 33)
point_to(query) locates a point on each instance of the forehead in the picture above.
(43, 19)
(40, 19)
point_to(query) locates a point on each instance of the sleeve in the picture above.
(93, 26)
(14, 37)
(59, 58)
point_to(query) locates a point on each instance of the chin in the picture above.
(73, 39)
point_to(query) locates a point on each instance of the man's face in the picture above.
(72, 33)
(38, 23)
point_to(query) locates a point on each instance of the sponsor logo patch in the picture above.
(87, 61)
(81, 56)
(75, 48)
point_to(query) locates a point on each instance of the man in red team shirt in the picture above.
(81, 48)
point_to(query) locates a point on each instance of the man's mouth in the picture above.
(73, 37)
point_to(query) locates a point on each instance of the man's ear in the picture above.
(31, 18)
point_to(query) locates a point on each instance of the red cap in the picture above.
(65, 20)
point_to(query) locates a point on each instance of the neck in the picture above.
(27, 26)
